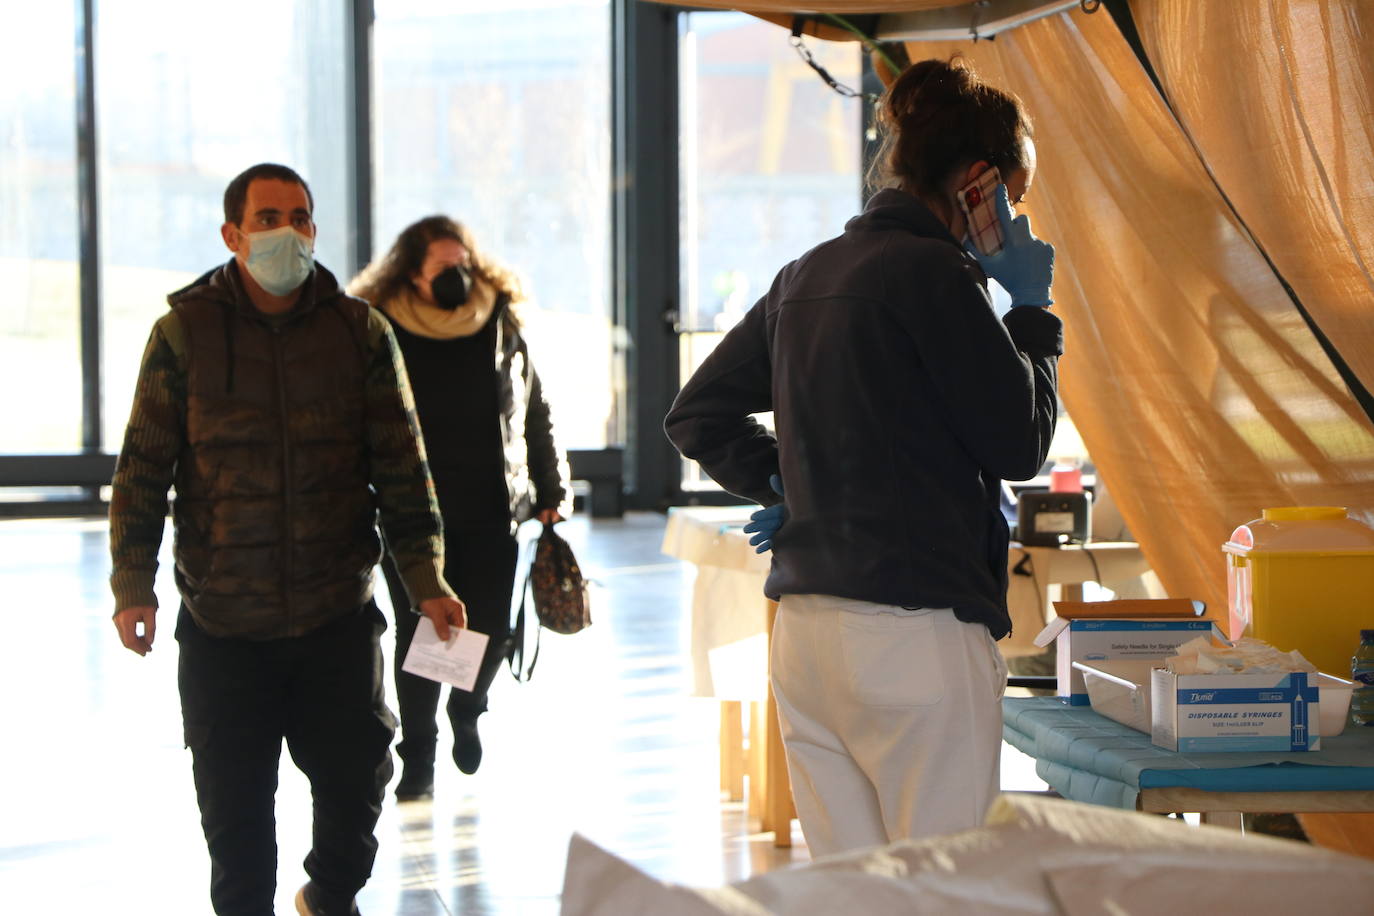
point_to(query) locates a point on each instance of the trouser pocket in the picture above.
(892, 660)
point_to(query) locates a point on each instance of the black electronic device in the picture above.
(1048, 519)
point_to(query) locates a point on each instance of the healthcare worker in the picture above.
(901, 401)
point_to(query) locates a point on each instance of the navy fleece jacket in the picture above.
(900, 402)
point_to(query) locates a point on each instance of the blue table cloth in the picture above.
(1088, 757)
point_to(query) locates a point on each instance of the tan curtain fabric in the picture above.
(1279, 97)
(1199, 391)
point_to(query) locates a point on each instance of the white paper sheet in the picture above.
(454, 662)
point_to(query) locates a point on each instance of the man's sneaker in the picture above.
(310, 901)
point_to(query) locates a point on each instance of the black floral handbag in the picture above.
(560, 592)
(560, 595)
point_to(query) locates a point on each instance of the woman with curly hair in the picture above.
(490, 446)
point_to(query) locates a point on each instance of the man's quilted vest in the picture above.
(275, 520)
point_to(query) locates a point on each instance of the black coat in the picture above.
(900, 403)
(535, 472)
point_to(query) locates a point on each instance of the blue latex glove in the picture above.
(1025, 265)
(765, 523)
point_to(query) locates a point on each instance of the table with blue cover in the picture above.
(1087, 757)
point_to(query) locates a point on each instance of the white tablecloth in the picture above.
(730, 612)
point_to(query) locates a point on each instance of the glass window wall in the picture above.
(182, 109)
(40, 338)
(770, 163)
(498, 115)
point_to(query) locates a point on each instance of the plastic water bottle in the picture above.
(1362, 673)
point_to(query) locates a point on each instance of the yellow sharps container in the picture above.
(1302, 577)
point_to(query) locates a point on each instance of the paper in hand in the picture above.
(454, 662)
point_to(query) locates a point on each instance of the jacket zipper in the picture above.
(288, 510)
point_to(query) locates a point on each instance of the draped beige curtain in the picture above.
(1200, 392)
(1278, 96)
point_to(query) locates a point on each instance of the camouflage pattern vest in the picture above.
(275, 520)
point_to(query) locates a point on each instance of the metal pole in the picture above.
(870, 143)
(360, 139)
(644, 185)
(88, 229)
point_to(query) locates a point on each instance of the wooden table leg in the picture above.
(779, 811)
(757, 764)
(731, 750)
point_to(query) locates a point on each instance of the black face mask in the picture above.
(450, 287)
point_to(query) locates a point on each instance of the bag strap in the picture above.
(517, 655)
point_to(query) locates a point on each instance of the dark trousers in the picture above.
(323, 693)
(479, 565)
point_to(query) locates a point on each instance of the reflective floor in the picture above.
(98, 812)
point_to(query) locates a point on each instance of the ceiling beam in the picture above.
(983, 19)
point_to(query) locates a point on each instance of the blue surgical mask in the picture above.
(279, 259)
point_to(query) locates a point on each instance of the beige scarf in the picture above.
(425, 320)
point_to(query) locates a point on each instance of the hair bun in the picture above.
(940, 116)
(927, 83)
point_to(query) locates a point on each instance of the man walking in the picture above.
(278, 408)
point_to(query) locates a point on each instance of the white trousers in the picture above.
(892, 719)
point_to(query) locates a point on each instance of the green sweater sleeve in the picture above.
(153, 442)
(400, 474)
